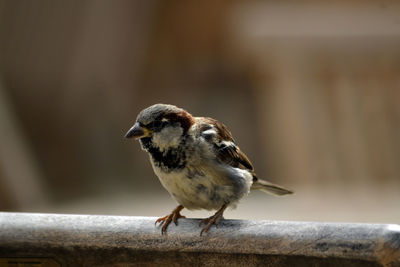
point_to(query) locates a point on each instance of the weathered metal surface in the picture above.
(87, 240)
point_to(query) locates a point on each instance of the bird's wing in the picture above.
(226, 150)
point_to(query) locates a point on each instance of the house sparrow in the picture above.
(197, 161)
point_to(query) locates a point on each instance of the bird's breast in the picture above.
(202, 188)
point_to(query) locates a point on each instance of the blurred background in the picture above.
(310, 90)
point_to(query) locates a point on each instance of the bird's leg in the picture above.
(174, 216)
(213, 219)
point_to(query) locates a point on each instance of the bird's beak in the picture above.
(137, 132)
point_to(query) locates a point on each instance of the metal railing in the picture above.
(29, 239)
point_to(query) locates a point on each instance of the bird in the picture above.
(197, 161)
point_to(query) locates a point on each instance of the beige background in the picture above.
(310, 90)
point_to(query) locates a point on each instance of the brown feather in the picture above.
(223, 132)
(184, 118)
(231, 155)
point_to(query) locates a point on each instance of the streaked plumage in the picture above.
(197, 161)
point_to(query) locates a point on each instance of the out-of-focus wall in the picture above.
(329, 86)
(311, 92)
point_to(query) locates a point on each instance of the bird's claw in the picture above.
(215, 219)
(166, 220)
(161, 220)
(176, 217)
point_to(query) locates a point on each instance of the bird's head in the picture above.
(162, 124)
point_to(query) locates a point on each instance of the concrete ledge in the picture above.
(87, 240)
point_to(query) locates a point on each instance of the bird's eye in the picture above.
(156, 124)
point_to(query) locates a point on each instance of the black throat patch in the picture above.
(171, 160)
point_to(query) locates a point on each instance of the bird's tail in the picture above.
(269, 188)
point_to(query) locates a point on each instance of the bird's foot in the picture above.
(166, 220)
(215, 219)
